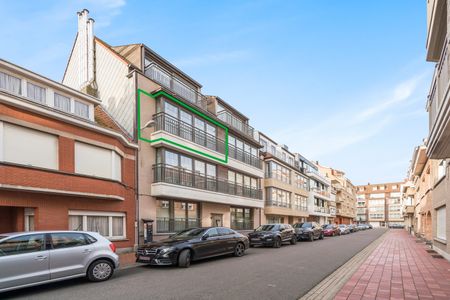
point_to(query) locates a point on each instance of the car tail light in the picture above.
(113, 247)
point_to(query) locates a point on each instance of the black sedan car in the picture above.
(193, 244)
(272, 235)
(308, 231)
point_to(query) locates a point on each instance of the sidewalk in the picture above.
(399, 268)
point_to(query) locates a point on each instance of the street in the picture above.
(263, 273)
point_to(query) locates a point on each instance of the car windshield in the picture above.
(329, 227)
(303, 225)
(342, 226)
(267, 228)
(193, 232)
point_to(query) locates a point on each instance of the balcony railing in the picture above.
(324, 193)
(174, 175)
(242, 225)
(166, 225)
(244, 157)
(321, 209)
(439, 86)
(161, 76)
(186, 131)
(236, 123)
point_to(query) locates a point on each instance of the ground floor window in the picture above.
(441, 223)
(174, 216)
(29, 219)
(241, 218)
(274, 219)
(111, 225)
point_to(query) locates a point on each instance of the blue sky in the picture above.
(342, 82)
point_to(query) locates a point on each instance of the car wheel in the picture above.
(321, 236)
(277, 243)
(184, 259)
(100, 270)
(294, 240)
(239, 250)
(311, 237)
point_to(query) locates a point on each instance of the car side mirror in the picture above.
(205, 237)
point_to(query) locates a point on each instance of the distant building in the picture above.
(380, 204)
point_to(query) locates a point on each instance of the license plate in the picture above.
(254, 240)
(144, 258)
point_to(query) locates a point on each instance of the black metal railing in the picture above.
(236, 123)
(244, 157)
(242, 224)
(164, 225)
(186, 131)
(178, 176)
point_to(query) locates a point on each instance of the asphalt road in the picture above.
(263, 273)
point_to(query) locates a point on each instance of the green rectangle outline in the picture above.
(194, 110)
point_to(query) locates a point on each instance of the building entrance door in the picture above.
(216, 220)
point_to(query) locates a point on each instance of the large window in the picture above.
(26, 146)
(300, 202)
(10, 83)
(36, 93)
(81, 109)
(109, 224)
(441, 226)
(62, 102)
(241, 218)
(97, 161)
(301, 182)
(277, 171)
(242, 151)
(278, 197)
(174, 216)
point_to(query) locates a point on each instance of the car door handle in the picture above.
(87, 251)
(40, 257)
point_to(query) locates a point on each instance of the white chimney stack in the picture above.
(85, 49)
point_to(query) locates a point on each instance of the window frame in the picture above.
(110, 216)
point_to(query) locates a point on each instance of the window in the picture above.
(278, 197)
(301, 182)
(29, 219)
(277, 171)
(10, 83)
(111, 225)
(96, 161)
(442, 169)
(273, 149)
(174, 216)
(16, 147)
(225, 231)
(22, 244)
(441, 223)
(36, 93)
(241, 218)
(300, 202)
(62, 102)
(68, 240)
(212, 232)
(264, 144)
(81, 109)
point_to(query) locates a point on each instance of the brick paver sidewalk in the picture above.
(399, 268)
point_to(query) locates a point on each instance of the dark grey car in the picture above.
(33, 258)
(308, 231)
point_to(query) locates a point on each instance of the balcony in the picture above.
(438, 107)
(167, 225)
(167, 80)
(236, 123)
(173, 175)
(244, 157)
(321, 209)
(324, 193)
(188, 132)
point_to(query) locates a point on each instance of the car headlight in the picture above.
(165, 251)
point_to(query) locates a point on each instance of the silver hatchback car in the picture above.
(33, 258)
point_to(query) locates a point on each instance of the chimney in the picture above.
(86, 53)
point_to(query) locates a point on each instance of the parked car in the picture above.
(344, 229)
(193, 244)
(308, 231)
(352, 228)
(396, 226)
(362, 226)
(272, 235)
(34, 258)
(331, 230)
(370, 226)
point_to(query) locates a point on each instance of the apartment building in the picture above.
(64, 164)
(422, 175)
(408, 194)
(382, 202)
(345, 195)
(438, 141)
(286, 185)
(199, 159)
(322, 197)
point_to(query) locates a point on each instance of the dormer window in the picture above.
(35, 93)
(81, 109)
(62, 102)
(10, 83)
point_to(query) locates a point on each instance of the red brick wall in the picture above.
(51, 211)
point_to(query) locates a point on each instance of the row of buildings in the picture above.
(127, 145)
(427, 190)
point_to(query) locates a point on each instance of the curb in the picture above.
(332, 284)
